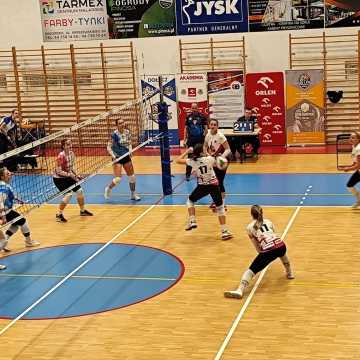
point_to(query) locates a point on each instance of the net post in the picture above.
(163, 118)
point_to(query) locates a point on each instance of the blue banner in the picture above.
(209, 16)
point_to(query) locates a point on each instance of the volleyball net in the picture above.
(33, 165)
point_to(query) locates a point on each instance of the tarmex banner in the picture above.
(191, 88)
(342, 13)
(73, 20)
(141, 18)
(265, 96)
(149, 85)
(305, 107)
(207, 17)
(285, 14)
(226, 96)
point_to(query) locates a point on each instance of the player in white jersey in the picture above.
(208, 184)
(269, 246)
(215, 144)
(355, 177)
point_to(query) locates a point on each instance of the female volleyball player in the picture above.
(269, 246)
(355, 177)
(64, 177)
(215, 144)
(7, 214)
(118, 146)
(208, 184)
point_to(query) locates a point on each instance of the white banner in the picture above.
(73, 20)
(191, 88)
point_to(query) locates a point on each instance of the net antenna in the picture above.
(33, 165)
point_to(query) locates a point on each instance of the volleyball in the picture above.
(221, 163)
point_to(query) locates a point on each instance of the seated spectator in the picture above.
(249, 122)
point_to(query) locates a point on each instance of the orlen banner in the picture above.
(305, 107)
(265, 96)
(191, 88)
(208, 17)
(149, 85)
(226, 96)
(73, 20)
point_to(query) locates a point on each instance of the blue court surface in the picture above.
(242, 189)
(120, 275)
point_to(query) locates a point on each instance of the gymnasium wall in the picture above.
(266, 51)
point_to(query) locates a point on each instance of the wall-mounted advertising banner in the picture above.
(141, 18)
(267, 15)
(305, 107)
(191, 88)
(226, 96)
(265, 96)
(150, 84)
(207, 17)
(339, 13)
(73, 20)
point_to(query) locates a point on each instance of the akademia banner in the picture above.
(226, 96)
(191, 88)
(305, 107)
(73, 20)
(339, 13)
(265, 96)
(267, 15)
(208, 17)
(141, 18)
(150, 84)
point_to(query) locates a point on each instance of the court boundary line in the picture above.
(49, 292)
(258, 281)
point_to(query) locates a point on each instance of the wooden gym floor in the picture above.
(316, 316)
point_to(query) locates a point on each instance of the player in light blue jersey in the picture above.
(7, 214)
(119, 148)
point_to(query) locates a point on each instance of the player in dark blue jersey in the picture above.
(119, 147)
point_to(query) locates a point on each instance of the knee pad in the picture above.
(116, 180)
(25, 229)
(66, 199)
(189, 203)
(132, 179)
(220, 210)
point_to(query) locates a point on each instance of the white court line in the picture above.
(8, 326)
(252, 293)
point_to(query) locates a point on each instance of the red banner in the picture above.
(265, 96)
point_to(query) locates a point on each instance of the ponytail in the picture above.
(257, 214)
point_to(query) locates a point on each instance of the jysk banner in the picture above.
(141, 18)
(305, 107)
(207, 17)
(341, 13)
(191, 88)
(226, 96)
(149, 85)
(73, 20)
(265, 96)
(267, 15)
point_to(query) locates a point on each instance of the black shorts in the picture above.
(220, 175)
(124, 160)
(11, 215)
(355, 178)
(265, 258)
(63, 183)
(203, 190)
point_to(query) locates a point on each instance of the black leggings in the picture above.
(203, 190)
(265, 258)
(355, 178)
(220, 175)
